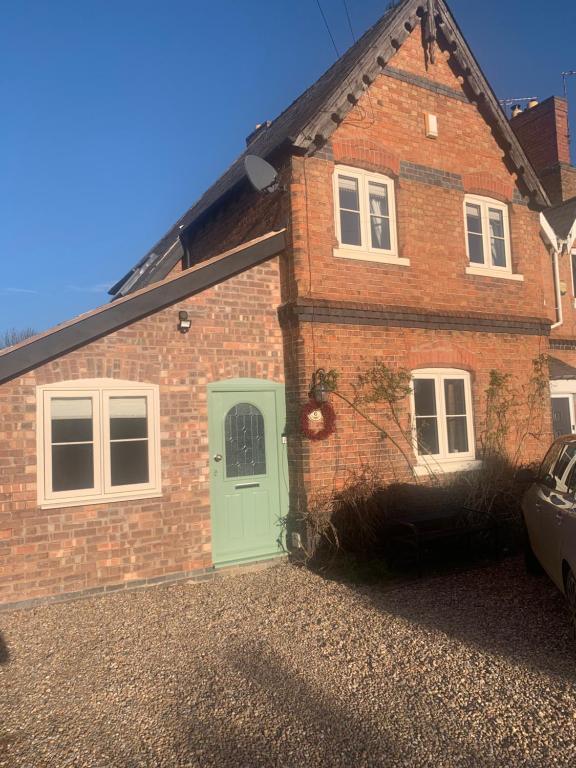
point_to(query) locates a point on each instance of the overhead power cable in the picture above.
(328, 28)
(349, 21)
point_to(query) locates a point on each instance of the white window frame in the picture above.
(570, 398)
(99, 391)
(444, 461)
(488, 269)
(365, 251)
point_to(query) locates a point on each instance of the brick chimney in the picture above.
(542, 130)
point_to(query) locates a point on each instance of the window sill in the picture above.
(88, 501)
(488, 272)
(445, 467)
(384, 258)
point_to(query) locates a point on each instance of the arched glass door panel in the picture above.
(244, 441)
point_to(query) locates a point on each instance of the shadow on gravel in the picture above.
(297, 706)
(4, 655)
(496, 608)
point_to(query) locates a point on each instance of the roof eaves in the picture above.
(360, 72)
(375, 59)
(483, 92)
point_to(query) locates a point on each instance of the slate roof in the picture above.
(317, 112)
(562, 218)
(560, 370)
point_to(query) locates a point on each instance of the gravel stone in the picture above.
(283, 667)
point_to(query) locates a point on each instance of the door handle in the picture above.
(218, 457)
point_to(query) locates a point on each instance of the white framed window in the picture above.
(443, 425)
(98, 440)
(365, 216)
(488, 237)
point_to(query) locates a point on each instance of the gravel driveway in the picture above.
(285, 668)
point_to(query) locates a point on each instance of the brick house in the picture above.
(544, 133)
(158, 437)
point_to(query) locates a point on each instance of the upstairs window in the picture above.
(97, 441)
(487, 234)
(365, 215)
(442, 416)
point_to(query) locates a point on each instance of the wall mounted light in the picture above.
(323, 382)
(183, 322)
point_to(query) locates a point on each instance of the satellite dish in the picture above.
(262, 176)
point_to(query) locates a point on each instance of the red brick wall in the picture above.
(353, 348)
(385, 130)
(235, 333)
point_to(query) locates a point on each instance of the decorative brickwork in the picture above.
(426, 83)
(366, 154)
(347, 313)
(565, 344)
(434, 176)
(486, 184)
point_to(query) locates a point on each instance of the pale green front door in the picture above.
(246, 469)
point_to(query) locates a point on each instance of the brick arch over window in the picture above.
(488, 185)
(432, 356)
(367, 155)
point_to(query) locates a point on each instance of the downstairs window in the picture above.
(97, 441)
(443, 426)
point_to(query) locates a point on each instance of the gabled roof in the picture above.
(562, 219)
(37, 350)
(311, 119)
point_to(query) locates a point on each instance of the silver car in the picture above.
(549, 509)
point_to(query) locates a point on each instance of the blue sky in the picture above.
(117, 114)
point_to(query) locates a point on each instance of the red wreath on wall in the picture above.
(317, 420)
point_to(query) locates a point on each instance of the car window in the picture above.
(545, 475)
(564, 466)
(571, 479)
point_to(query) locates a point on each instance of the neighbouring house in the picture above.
(158, 437)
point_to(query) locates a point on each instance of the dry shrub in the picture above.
(354, 520)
